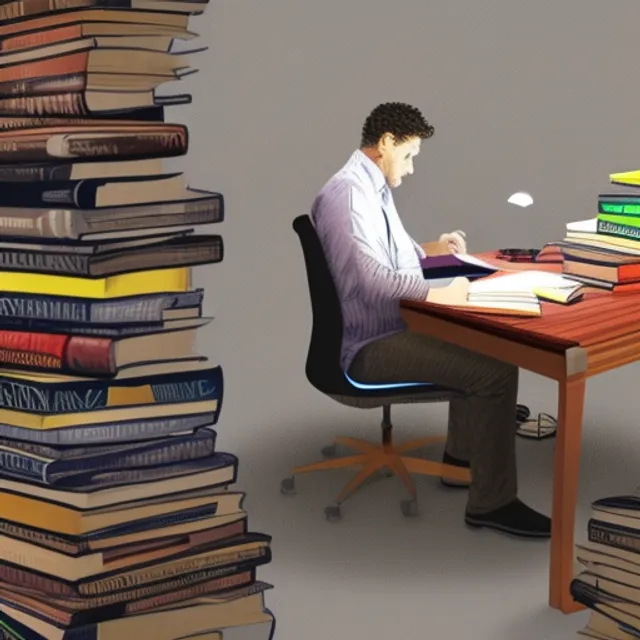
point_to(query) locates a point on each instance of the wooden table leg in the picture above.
(565, 493)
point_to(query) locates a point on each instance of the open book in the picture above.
(519, 292)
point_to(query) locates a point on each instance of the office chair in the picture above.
(324, 372)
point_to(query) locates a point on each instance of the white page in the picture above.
(584, 226)
(469, 259)
(522, 281)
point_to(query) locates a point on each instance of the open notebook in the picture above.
(520, 292)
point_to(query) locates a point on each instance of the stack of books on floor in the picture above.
(117, 515)
(609, 584)
(604, 252)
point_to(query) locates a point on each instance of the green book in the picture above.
(620, 207)
(624, 221)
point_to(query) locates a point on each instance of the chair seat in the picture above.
(367, 395)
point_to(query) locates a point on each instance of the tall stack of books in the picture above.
(117, 516)
(604, 252)
(609, 585)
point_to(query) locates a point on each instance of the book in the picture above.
(15, 10)
(126, 284)
(111, 258)
(63, 223)
(94, 28)
(93, 142)
(626, 178)
(455, 265)
(74, 15)
(519, 292)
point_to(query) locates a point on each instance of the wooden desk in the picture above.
(569, 344)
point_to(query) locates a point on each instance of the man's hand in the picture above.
(454, 241)
(453, 294)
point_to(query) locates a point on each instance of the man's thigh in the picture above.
(414, 357)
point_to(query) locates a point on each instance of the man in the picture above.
(375, 263)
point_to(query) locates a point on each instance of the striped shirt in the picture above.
(373, 260)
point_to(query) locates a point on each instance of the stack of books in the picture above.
(117, 516)
(604, 252)
(609, 585)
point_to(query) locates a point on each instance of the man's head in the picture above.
(391, 137)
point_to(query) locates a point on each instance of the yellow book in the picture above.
(127, 284)
(626, 177)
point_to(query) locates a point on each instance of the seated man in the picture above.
(375, 263)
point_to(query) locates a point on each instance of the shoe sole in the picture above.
(454, 484)
(476, 524)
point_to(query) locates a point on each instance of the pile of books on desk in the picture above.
(604, 252)
(609, 585)
(117, 516)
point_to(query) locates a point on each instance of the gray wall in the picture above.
(524, 95)
(539, 96)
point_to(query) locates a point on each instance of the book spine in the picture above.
(25, 466)
(138, 309)
(41, 38)
(71, 264)
(133, 430)
(94, 395)
(157, 143)
(44, 86)
(10, 123)
(55, 66)
(171, 570)
(232, 581)
(26, 8)
(149, 455)
(40, 223)
(46, 539)
(69, 104)
(607, 534)
(126, 146)
(79, 355)
(619, 208)
(35, 173)
(610, 228)
(38, 582)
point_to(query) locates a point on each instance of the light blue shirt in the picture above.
(372, 268)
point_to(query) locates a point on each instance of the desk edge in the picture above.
(576, 361)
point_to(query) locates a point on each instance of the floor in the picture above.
(376, 575)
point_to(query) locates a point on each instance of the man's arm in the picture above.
(346, 228)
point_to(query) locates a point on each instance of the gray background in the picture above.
(539, 96)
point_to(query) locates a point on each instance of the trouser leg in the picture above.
(481, 424)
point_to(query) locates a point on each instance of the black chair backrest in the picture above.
(323, 368)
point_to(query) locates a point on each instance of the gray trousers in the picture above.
(482, 422)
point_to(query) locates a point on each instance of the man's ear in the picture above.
(387, 141)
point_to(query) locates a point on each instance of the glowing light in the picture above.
(521, 199)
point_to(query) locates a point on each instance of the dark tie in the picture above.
(385, 202)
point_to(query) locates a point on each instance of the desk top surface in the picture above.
(599, 318)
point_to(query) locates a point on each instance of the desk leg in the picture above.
(565, 493)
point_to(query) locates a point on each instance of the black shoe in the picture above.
(451, 482)
(514, 518)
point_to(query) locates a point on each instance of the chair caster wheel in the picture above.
(332, 514)
(409, 508)
(288, 487)
(330, 451)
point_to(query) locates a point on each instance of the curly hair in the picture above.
(397, 118)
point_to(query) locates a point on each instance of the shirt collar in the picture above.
(375, 174)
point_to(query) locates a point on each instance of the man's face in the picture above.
(397, 159)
